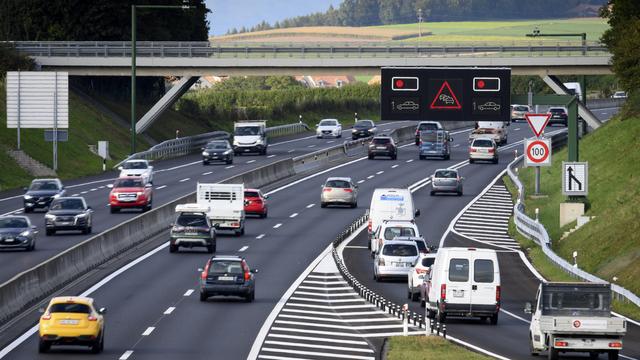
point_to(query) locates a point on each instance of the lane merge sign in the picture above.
(575, 178)
(537, 152)
(537, 122)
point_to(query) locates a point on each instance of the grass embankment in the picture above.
(86, 127)
(428, 348)
(321, 34)
(609, 245)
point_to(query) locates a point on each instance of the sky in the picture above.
(227, 14)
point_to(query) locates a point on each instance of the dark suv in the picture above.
(228, 276)
(383, 146)
(363, 129)
(41, 192)
(192, 228)
(558, 116)
(217, 150)
(68, 213)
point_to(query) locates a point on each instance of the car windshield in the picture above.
(251, 194)
(521, 108)
(11, 223)
(247, 130)
(67, 204)
(44, 185)
(338, 184)
(483, 131)
(70, 308)
(556, 110)
(382, 141)
(428, 261)
(217, 146)
(363, 124)
(576, 302)
(191, 220)
(391, 233)
(226, 267)
(399, 250)
(422, 246)
(482, 143)
(124, 183)
(427, 126)
(328, 123)
(135, 165)
(447, 174)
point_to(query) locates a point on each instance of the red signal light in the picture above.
(399, 83)
(481, 84)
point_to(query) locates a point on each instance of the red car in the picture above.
(255, 202)
(130, 192)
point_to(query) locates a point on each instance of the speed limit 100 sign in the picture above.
(537, 152)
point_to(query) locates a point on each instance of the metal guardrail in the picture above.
(205, 49)
(534, 230)
(288, 129)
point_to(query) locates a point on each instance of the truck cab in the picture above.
(250, 137)
(574, 317)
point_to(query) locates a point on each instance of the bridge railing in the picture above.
(360, 50)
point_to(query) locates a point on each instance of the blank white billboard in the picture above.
(33, 97)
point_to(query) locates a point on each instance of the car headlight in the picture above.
(28, 197)
(139, 193)
(227, 152)
(354, 130)
(56, 196)
(79, 216)
(50, 217)
(204, 153)
(259, 141)
(24, 233)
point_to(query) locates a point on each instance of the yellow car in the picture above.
(72, 320)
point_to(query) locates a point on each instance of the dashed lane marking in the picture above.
(243, 248)
(310, 206)
(293, 215)
(277, 225)
(188, 292)
(148, 331)
(169, 310)
(126, 355)
(161, 187)
(185, 179)
(260, 236)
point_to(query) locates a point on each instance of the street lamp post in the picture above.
(133, 61)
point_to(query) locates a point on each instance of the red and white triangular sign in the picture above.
(537, 122)
(446, 99)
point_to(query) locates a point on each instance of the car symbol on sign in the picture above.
(489, 105)
(446, 99)
(408, 105)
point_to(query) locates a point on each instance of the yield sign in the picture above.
(446, 99)
(537, 122)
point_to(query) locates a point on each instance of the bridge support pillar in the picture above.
(165, 102)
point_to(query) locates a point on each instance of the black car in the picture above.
(558, 116)
(217, 150)
(228, 276)
(41, 192)
(383, 146)
(16, 232)
(68, 213)
(363, 129)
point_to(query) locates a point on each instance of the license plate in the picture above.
(65, 223)
(42, 202)
(191, 234)
(397, 264)
(380, 147)
(9, 240)
(483, 150)
(458, 293)
(421, 277)
(226, 278)
(69, 322)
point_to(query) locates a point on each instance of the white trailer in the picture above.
(226, 205)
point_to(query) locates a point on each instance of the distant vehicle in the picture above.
(394, 259)
(558, 116)
(225, 203)
(497, 135)
(255, 203)
(518, 112)
(41, 192)
(574, 317)
(16, 232)
(192, 228)
(489, 105)
(392, 229)
(435, 143)
(135, 168)
(447, 181)
(382, 146)
(217, 150)
(68, 213)
(464, 282)
(408, 105)
(421, 243)
(227, 275)
(446, 99)
(250, 136)
(619, 95)
(483, 149)
(415, 277)
(389, 204)
(363, 129)
(130, 192)
(426, 125)
(328, 127)
(339, 191)
(71, 320)
(574, 88)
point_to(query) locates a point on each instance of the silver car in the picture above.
(339, 191)
(446, 180)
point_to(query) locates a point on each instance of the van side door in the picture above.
(483, 284)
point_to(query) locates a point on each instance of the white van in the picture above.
(574, 89)
(464, 282)
(390, 204)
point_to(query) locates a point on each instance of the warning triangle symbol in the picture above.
(446, 99)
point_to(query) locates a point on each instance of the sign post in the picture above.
(575, 178)
(537, 150)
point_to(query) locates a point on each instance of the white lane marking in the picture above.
(371, 176)
(317, 346)
(380, 172)
(230, 167)
(356, 247)
(101, 187)
(325, 289)
(410, 160)
(277, 225)
(270, 156)
(293, 215)
(310, 206)
(260, 236)
(361, 181)
(313, 353)
(243, 248)
(337, 341)
(83, 192)
(185, 179)
(331, 141)
(456, 145)
(75, 195)
(169, 310)
(93, 189)
(126, 355)
(395, 166)
(161, 187)
(207, 173)
(250, 161)
(290, 151)
(516, 129)
(178, 167)
(311, 146)
(188, 292)
(148, 331)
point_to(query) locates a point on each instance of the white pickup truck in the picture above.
(574, 317)
(225, 203)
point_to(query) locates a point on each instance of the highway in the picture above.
(155, 314)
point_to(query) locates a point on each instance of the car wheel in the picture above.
(323, 205)
(495, 161)
(251, 296)
(415, 296)
(43, 346)
(371, 157)
(432, 193)
(493, 320)
(95, 347)
(229, 162)
(203, 297)
(613, 355)
(339, 136)
(354, 205)
(211, 249)
(88, 230)
(205, 163)
(32, 246)
(394, 157)
(459, 193)
(50, 232)
(532, 351)
(447, 157)
(173, 248)
(471, 161)
(28, 210)
(114, 210)
(421, 157)
(442, 317)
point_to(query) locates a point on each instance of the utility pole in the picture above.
(419, 24)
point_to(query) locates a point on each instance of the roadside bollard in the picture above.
(444, 331)
(405, 325)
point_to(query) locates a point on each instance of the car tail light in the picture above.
(472, 149)
(443, 292)
(498, 294)
(348, 190)
(369, 226)
(615, 344)
(381, 261)
(205, 272)
(92, 318)
(327, 189)
(46, 317)
(561, 344)
(257, 201)
(247, 275)
(491, 151)
(235, 224)
(422, 271)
